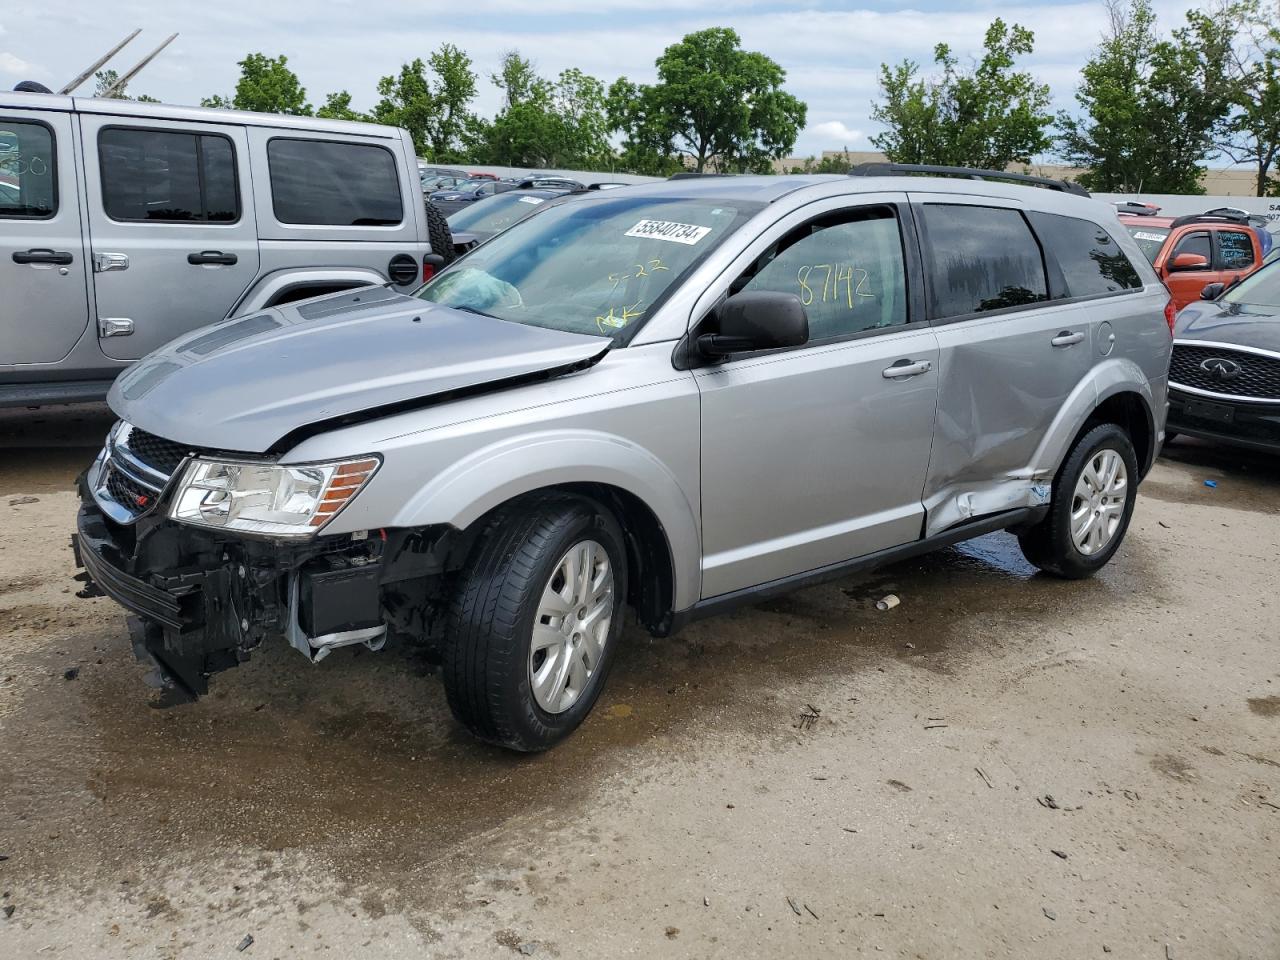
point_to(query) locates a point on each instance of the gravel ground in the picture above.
(1002, 766)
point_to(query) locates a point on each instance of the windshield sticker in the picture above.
(619, 317)
(686, 233)
(534, 200)
(1156, 237)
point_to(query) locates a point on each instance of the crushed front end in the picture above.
(203, 598)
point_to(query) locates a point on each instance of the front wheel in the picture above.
(1090, 509)
(535, 621)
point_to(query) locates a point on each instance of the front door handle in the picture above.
(43, 255)
(212, 256)
(1067, 338)
(902, 369)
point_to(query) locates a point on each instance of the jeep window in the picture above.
(1235, 250)
(28, 179)
(1092, 262)
(321, 182)
(981, 259)
(1197, 243)
(1149, 239)
(847, 270)
(600, 266)
(163, 176)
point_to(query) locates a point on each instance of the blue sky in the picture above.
(831, 49)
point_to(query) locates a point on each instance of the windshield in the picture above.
(1259, 289)
(598, 266)
(494, 214)
(1150, 239)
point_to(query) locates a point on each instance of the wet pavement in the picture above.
(808, 775)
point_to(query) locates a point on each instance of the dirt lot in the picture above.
(1002, 766)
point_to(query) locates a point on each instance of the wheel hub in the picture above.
(571, 627)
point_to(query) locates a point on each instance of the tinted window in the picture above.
(847, 271)
(28, 181)
(1092, 262)
(338, 184)
(1195, 243)
(981, 258)
(1235, 247)
(166, 177)
(1150, 239)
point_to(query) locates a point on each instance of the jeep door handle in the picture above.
(1067, 339)
(902, 369)
(60, 257)
(212, 256)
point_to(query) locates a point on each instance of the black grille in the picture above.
(156, 452)
(1258, 377)
(128, 494)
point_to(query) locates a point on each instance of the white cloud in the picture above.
(14, 66)
(833, 134)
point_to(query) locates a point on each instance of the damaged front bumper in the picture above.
(204, 601)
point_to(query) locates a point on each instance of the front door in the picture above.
(1185, 285)
(815, 455)
(171, 224)
(44, 306)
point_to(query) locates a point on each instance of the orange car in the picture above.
(1189, 253)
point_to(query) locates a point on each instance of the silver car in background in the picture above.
(677, 398)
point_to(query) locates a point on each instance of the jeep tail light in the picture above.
(428, 270)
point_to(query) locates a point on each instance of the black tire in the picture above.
(1049, 545)
(439, 234)
(487, 647)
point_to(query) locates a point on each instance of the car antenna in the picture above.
(89, 70)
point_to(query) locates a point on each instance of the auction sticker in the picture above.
(534, 200)
(1154, 237)
(686, 233)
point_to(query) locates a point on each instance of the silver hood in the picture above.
(245, 384)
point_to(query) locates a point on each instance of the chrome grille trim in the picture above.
(116, 468)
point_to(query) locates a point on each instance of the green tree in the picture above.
(104, 80)
(1151, 109)
(835, 163)
(560, 123)
(432, 101)
(266, 85)
(989, 116)
(1252, 130)
(337, 106)
(714, 105)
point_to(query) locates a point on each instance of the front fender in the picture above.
(1106, 379)
(489, 477)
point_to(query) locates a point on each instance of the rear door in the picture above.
(1009, 356)
(44, 305)
(1237, 253)
(174, 243)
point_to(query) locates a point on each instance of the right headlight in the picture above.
(268, 498)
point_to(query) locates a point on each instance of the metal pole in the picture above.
(97, 63)
(120, 84)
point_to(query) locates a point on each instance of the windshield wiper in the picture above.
(478, 313)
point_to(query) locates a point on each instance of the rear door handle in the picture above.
(60, 257)
(212, 256)
(1067, 339)
(902, 369)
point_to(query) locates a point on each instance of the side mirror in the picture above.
(1212, 291)
(1188, 261)
(762, 320)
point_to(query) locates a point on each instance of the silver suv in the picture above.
(677, 397)
(123, 225)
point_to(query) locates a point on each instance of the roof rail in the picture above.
(1221, 215)
(901, 169)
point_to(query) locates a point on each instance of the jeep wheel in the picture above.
(1089, 512)
(439, 234)
(535, 622)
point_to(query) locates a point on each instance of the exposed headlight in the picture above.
(268, 498)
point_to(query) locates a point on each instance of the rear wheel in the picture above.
(535, 622)
(1090, 509)
(439, 234)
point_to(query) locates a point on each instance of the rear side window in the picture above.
(162, 176)
(318, 182)
(1092, 262)
(981, 259)
(847, 270)
(28, 180)
(1235, 249)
